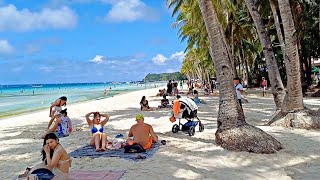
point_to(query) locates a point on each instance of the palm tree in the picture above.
(233, 132)
(274, 74)
(294, 113)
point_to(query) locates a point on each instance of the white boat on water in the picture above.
(37, 85)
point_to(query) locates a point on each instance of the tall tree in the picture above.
(274, 74)
(294, 113)
(233, 132)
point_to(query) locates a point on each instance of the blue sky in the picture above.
(59, 41)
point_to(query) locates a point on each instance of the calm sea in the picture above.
(18, 99)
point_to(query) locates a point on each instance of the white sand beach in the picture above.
(183, 157)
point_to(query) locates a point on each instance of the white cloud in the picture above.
(178, 55)
(32, 48)
(6, 48)
(46, 69)
(159, 59)
(98, 59)
(12, 19)
(129, 11)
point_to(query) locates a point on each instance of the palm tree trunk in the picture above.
(277, 87)
(245, 62)
(293, 113)
(233, 132)
(293, 100)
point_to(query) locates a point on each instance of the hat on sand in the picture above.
(139, 117)
(57, 113)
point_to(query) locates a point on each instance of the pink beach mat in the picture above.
(104, 174)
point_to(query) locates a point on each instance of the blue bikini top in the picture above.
(94, 129)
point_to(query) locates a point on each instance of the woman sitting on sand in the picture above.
(56, 107)
(54, 158)
(62, 125)
(99, 138)
(145, 105)
(196, 97)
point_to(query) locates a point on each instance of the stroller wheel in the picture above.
(191, 131)
(175, 128)
(201, 127)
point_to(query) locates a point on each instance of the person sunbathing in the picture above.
(161, 92)
(145, 105)
(99, 138)
(142, 134)
(55, 159)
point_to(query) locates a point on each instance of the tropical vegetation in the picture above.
(165, 77)
(250, 39)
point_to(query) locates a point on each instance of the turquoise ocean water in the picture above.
(18, 99)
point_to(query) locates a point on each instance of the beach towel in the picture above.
(89, 151)
(176, 107)
(104, 175)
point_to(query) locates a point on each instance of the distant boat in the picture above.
(37, 85)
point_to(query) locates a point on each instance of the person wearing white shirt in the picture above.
(239, 89)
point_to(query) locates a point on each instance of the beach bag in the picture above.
(43, 174)
(63, 127)
(135, 148)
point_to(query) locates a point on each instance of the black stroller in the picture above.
(188, 111)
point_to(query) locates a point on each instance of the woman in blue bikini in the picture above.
(99, 138)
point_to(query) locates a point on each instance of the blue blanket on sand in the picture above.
(90, 151)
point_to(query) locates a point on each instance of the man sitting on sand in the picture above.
(142, 134)
(165, 103)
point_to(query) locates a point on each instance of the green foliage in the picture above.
(165, 77)
(242, 37)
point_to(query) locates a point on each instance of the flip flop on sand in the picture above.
(98, 150)
(163, 142)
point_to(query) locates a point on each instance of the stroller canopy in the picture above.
(189, 103)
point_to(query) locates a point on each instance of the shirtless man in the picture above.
(142, 133)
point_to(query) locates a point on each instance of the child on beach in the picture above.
(56, 107)
(99, 138)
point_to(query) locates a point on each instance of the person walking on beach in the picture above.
(169, 88)
(142, 134)
(99, 138)
(239, 89)
(263, 85)
(56, 107)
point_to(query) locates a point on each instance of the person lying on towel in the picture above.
(142, 134)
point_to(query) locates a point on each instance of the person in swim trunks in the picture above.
(142, 133)
(99, 138)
